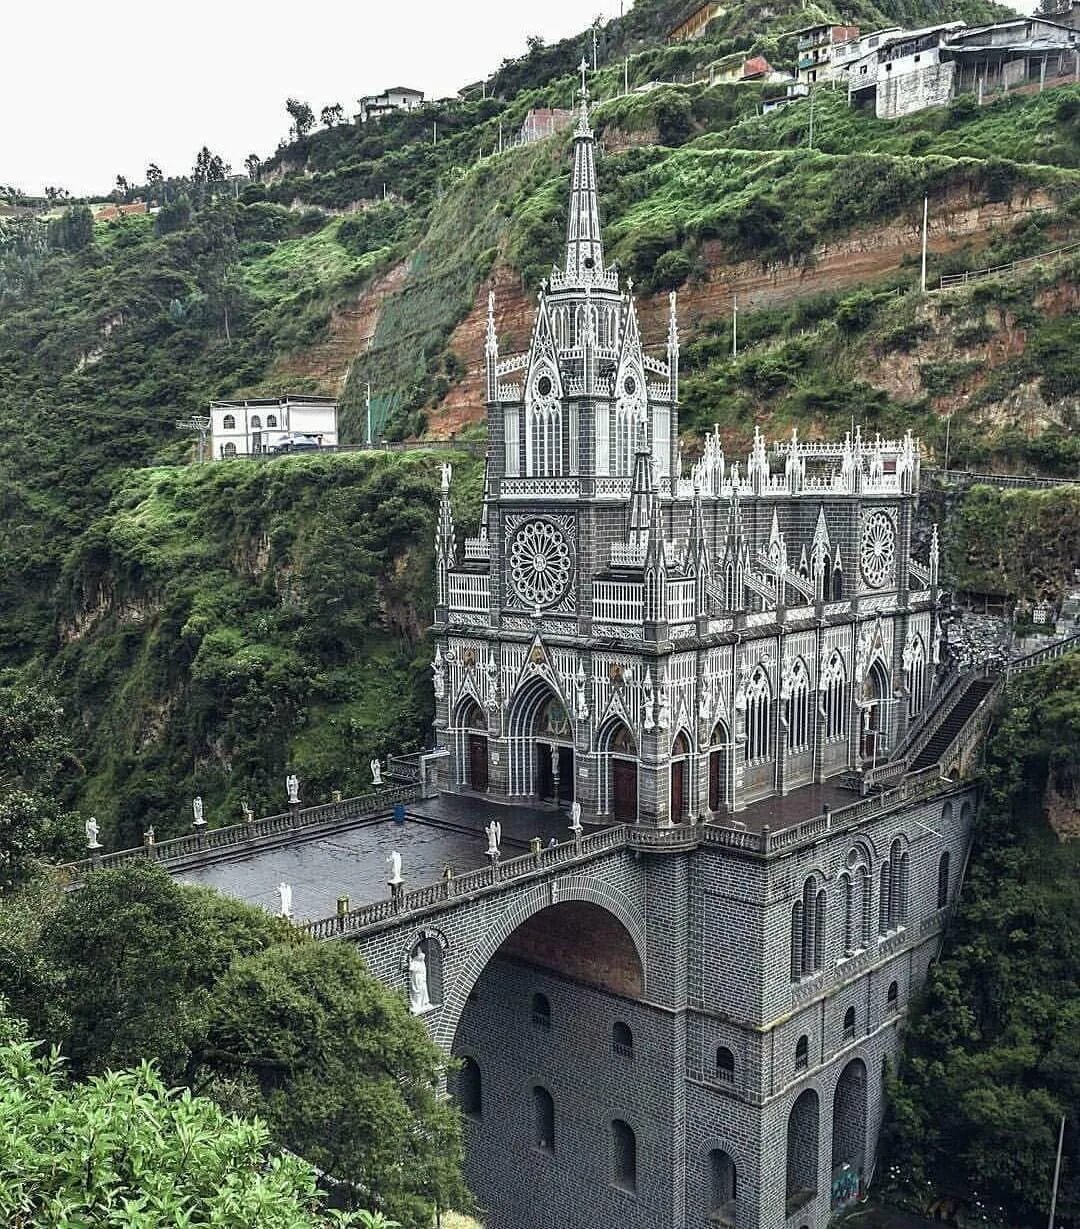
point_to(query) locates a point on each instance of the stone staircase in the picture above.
(963, 707)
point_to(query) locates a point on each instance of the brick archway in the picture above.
(538, 898)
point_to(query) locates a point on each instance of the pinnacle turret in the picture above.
(584, 245)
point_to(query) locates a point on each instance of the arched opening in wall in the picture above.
(425, 975)
(680, 778)
(943, 880)
(725, 1065)
(916, 678)
(541, 745)
(892, 999)
(618, 771)
(802, 1053)
(570, 962)
(228, 450)
(849, 1133)
(718, 767)
(472, 727)
(849, 1024)
(271, 420)
(543, 1120)
(228, 423)
(722, 1189)
(623, 1155)
(467, 1088)
(875, 738)
(802, 1151)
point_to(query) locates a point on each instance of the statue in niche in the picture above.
(292, 785)
(438, 674)
(419, 991)
(92, 830)
(197, 810)
(285, 893)
(376, 772)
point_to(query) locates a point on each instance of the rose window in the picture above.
(540, 563)
(878, 549)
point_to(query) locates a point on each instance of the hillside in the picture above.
(174, 608)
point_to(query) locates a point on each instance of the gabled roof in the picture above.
(756, 66)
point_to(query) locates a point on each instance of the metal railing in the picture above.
(967, 477)
(949, 280)
(1031, 661)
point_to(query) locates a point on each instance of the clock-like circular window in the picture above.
(630, 386)
(544, 386)
(541, 563)
(878, 549)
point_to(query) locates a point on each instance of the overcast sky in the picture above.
(89, 91)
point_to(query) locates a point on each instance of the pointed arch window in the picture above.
(797, 707)
(834, 685)
(884, 893)
(916, 678)
(543, 1119)
(943, 881)
(808, 931)
(758, 704)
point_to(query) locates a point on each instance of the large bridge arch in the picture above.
(524, 906)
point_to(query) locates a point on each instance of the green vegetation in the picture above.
(122, 1149)
(991, 1060)
(236, 1005)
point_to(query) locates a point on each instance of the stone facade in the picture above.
(683, 1020)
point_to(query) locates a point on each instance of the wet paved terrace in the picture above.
(438, 832)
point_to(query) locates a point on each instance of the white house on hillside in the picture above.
(247, 428)
(397, 98)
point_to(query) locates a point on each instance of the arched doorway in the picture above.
(849, 1133)
(473, 746)
(619, 772)
(875, 730)
(680, 778)
(802, 1151)
(521, 1026)
(718, 770)
(722, 1190)
(541, 745)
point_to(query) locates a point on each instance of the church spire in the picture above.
(584, 248)
(642, 494)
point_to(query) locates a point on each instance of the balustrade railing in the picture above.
(470, 591)
(323, 814)
(618, 601)
(1030, 661)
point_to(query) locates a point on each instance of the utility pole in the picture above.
(948, 433)
(594, 50)
(925, 211)
(367, 402)
(734, 326)
(626, 74)
(811, 118)
(1057, 1172)
(434, 132)
(201, 424)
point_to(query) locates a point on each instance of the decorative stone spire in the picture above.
(757, 467)
(584, 247)
(935, 556)
(736, 558)
(655, 567)
(485, 511)
(445, 550)
(642, 494)
(673, 346)
(698, 560)
(491, 351)
(795, 468)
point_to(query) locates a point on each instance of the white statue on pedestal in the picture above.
(575, 818)
(395, 867)
(197, 810)
(494, 836)
(292, 784)
(285, 892)
(246, 811)
(92, 830)
(419, 995)
(438, 674)
(376, 772)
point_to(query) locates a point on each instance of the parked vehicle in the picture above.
(295, 442)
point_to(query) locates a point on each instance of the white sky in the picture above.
(92, 90)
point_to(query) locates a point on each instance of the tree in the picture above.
(209, 167)
(252, 165)
(73, 230)
(173, 216)
(122, 186)
(219, 257)
(534, 44)
(347, 1076)
(332, 116)
(79, 1153)
(53, 195)
(135, 955)
(303, 118)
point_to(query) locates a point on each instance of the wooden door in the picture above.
(624, 790)
(678, 790)
(478, 762)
